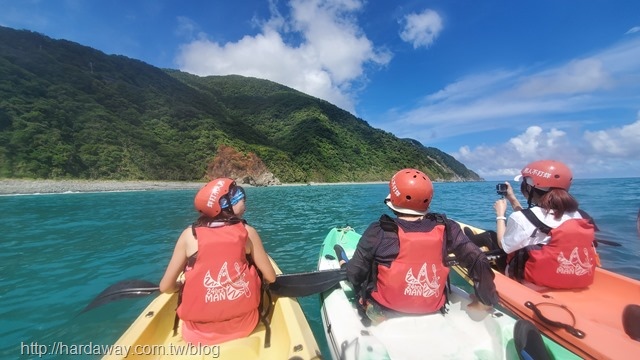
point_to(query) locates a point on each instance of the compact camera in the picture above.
(501, 189)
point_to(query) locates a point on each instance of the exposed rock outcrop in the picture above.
(244, 168)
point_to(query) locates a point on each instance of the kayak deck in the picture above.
(597, 311)
(151, 336)
(460, 334)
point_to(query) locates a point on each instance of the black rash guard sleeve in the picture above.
(360, 265)
(475, 261)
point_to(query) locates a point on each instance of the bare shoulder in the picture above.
(251, 230)
(187, 233)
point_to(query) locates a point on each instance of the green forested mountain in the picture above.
(70, 111)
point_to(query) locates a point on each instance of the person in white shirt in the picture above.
(545, 184)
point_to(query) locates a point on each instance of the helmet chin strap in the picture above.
(530, 190)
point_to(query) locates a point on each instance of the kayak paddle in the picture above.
(286, 285)
(123, 290)
(313, 282)
(491, 255)
(308, 283)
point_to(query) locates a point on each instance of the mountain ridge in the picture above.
(70, 111)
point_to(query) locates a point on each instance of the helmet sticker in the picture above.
(536, 172)
(394, 187)
(215, 191)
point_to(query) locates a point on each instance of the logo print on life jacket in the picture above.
(421, 286)
(574, 265)
(224, 288)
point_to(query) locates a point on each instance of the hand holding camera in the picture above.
(502, 189)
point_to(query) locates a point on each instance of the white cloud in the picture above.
(508, 158)
(326, 63)
(421, 29)
(616, 142)
(514, 99)
(473, 86)
(594, 154)
(579, 76)
(633, 30)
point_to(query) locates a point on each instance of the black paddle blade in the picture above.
(309, 283)
(608, 242)
(528, 341)
(631, 321)
(122, 290)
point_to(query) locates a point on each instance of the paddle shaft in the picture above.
(309, 283)
(491, 255)
(286, 285)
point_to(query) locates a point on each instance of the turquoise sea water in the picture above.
(60, 251)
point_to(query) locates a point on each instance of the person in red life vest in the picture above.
(222, 258)
(398, 267)
(552, 242)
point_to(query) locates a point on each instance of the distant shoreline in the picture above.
(22, 186)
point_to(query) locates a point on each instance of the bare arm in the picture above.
(260, 256)
(169, 282)
(511, 196)
(501, 221)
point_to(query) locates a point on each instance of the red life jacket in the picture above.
(222, 285)
(415, 283)
(568, 261)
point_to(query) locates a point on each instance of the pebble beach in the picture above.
(20, 186)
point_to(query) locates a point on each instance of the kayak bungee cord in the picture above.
(570, 328)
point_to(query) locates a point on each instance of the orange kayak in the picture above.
(592, 322)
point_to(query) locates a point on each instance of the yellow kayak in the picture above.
(151, 335)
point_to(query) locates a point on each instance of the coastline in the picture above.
(26, 187)
(22, 186)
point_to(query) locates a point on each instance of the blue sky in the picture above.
(496, 84)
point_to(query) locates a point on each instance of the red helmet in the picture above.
(546, 174)
(207, 200)
(410, 192)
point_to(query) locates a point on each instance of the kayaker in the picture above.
(222, 258)
(537, 256)
(398, 267)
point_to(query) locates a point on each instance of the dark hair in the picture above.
(225, 215)
(558, 200)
